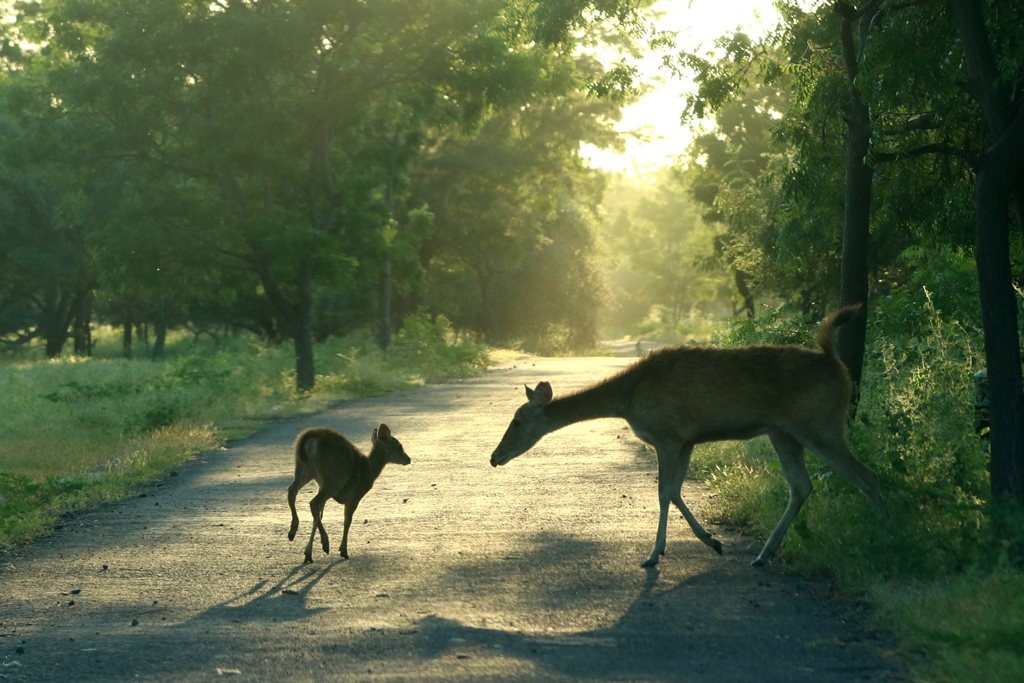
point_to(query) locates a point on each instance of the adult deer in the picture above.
(676, 398)
(342, 472)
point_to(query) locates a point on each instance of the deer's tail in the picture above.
(305, 445)
(837, 319)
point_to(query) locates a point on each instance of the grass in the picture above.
(966, 627)
(77, 433)
(938, 575)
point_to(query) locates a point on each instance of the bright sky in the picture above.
(655, 117)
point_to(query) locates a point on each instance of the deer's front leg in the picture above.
(665, 467)
(350, 509)
(659, 540)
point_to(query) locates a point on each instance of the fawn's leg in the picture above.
(350, 509)
(316, 506)
(791, 457)
(303, 475)
(676, 488)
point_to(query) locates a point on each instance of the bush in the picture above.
(428, 347)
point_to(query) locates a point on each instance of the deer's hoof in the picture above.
(308, 559)
(715, 545)
(759, 562)
(650, 562)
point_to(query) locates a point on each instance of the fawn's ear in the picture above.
(382, 432)
(542, 394)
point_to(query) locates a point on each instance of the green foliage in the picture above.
(655, 254)
(133, 192)
(429, 345)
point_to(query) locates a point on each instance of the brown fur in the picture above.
(676, 398)
(342, 472)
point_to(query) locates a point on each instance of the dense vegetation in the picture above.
(301, 169)
(289, 181)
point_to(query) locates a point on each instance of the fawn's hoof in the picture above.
(308, 559)
(760, 562)
(715, 545)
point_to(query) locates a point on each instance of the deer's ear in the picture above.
(541, 394)
(382, 432)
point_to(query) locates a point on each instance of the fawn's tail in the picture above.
(305, 445)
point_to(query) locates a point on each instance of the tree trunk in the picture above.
(82, 326)
(999, 171)
(55, 320)
(160, 332)
(126, 335)
(740, 278)
(1000, 176)
(305, 372)
(384, 332)
(852, 337)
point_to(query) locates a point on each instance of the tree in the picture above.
(296, 123)
(1000, 181)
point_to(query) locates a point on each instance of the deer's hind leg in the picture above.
(843, 462)
(676, 487)
(304, 473)
(791, 457)
(316, 506)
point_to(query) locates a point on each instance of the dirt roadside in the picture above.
(458, 571)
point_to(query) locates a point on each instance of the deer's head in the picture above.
(390, 447)
(527, 427)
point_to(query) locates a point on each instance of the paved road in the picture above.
(459, 571)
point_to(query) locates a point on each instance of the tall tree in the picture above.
(855, 32)
(1000, 181)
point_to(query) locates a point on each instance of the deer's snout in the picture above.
(498, 458)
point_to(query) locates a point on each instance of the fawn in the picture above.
(342, 472)
(676, 398)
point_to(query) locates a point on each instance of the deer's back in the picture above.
(708, 393)
(334, 459)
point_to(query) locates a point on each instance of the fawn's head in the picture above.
(527, 427)
(387, 445)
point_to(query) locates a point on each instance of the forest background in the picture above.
(293, 201)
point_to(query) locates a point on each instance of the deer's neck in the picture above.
(374, 466)
(607, 399)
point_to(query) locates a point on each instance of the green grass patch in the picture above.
(966, 627)
(77, 433)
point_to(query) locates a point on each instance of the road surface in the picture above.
(458, 571)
